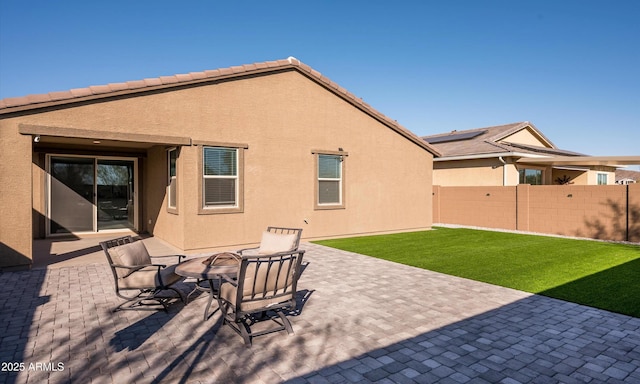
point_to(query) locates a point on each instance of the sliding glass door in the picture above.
(88, 194)
(71, 185)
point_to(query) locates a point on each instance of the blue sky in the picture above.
(571, 67)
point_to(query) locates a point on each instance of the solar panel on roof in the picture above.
(454, 137)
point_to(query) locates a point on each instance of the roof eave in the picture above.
(488, 156)
(611, 161)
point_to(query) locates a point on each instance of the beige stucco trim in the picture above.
(44, 130)
(219, 144)
(337, 153)
(239, 208)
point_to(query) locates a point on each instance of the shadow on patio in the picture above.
(367, 320)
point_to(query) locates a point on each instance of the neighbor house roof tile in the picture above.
(489, 141)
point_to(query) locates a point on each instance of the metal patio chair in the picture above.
(263, 289)
(137, 279)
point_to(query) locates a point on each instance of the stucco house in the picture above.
(207, 160)
(513, 154)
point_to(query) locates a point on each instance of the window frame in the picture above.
(605, 176)
(238, 207)
(172, 208)
(525, 169)
(341, 187)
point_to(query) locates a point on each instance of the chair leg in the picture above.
(285, 322)
(180, 294)
(138, 302)
(245, 332)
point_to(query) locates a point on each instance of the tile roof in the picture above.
(622, 174)
(488, 140)
(31, 102)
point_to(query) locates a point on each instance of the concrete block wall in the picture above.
(491, 207)
(608, 212)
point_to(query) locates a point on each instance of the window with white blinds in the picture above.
(329, 180)
(220, 177)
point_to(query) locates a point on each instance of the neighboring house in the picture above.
(207, 160)
(515, 154)
(625, 176)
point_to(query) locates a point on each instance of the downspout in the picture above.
(504, 170)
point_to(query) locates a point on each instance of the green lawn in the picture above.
(598, 274)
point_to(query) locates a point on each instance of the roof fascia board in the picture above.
(613, 161)
(43, 130)
(488, 156)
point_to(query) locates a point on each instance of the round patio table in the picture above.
(204, 272)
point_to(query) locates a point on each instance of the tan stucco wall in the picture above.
(489, 172)
(282, 117)
(576, 177)
(15, 196)
(526, 137)
(477, 172)
(592, 176)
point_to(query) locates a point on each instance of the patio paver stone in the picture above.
(363, 319)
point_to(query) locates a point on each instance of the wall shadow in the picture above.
(536, 339)
(615, 289)
(357, 335)
(17, 314)
(621, 224)
(12, 259)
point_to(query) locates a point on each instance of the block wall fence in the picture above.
(606, 212)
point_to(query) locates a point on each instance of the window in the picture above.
(172, 190)
(220, 185)
(602, 179)
(330, 180)
(530, 176)
(220, 177)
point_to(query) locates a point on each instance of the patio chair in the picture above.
(137, 279)
(274, 240)
(265, 285)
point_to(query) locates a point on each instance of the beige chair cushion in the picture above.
(228, 293)
(131, 254)
(276, 242)
(148, 278)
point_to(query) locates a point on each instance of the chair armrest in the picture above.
(300, 251)
(126, 266)
(139, 266)
(180, 257)
(246, 249)
(135, 268)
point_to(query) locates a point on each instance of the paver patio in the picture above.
(362, 320)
